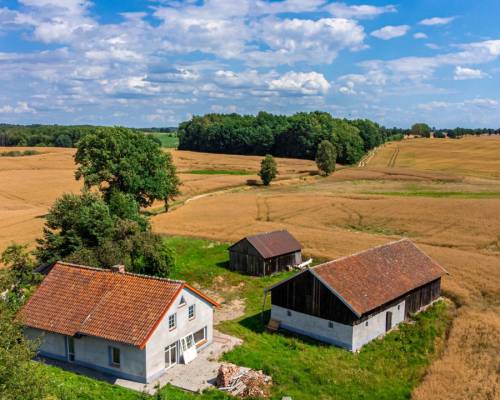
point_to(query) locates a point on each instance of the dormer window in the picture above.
(182, 302)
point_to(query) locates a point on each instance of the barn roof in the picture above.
(122, 307)
(374, 277)
(272, 244)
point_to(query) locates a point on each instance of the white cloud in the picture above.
(312, 41)
(463, 73)
(306, 83)
(420, 35)
(391, 32)
(432, 46)
(343, 10)
(436, 21)
(20, 108)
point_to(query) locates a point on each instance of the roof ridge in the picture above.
(362, 252)
(158, 278)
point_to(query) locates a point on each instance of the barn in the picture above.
(265, 254)
(352, 300)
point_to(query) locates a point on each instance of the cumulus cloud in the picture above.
(20, 108)
(307, 83)
(436, 21)
(391, 32)
(463, 73)
(343, 10)
(420, 35)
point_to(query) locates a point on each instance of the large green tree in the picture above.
(421, 129)
(123, 160)
(326, 157)
(348, 142)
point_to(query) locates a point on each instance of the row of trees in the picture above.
(296, 136)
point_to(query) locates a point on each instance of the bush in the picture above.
(268, 169)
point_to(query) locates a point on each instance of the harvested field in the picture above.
(30, 184)
(470, 156)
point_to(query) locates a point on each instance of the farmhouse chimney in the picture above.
(120, 268)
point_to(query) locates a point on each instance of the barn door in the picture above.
(388, 321)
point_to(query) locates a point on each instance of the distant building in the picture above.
(352, 300)
(130, 326)
(265, 254)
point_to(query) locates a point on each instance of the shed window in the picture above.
(192, 311)
(115, 357)
(366, 323)
(289, 313)
(399, 305)
(330, 324)
(172, 321)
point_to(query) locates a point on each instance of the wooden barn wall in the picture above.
(422, 296)
(307, 295)
(244, 258)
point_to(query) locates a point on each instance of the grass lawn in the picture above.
(219, 172)
(167, 140)
(301, 368)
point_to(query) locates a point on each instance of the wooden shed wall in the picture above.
(306, 294)
(244, 258)
(422, 296)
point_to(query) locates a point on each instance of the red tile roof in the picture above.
(367, 280)
(122, 307)
(274, 244)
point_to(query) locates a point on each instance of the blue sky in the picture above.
(156, 63)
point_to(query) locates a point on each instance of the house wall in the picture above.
(314, 327)
(93, 353)
(163, 337)
(375, 325)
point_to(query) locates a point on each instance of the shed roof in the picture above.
(374, 277)
(122, 307)
(272, 244)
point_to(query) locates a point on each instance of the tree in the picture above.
(20, 378)
(20, 266)
(268, 169)
(421, 129)
(348, 142)
(326, 157)
(120, 159)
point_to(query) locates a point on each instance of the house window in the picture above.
(172, 321)
(191, 311)
(366, 323)
(182, 302)
(399, 306)
(330, 324)
(200, 336)
(115, 357)
(71, 348)
(289, 313)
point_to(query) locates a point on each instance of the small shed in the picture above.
(265, 254)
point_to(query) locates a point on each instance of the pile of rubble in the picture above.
(243, 382)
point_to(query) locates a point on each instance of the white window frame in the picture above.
(168, 350)
(172, 317)
(205, 334)
(192, 307)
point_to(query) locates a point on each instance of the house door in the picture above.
(171, 355)
(388, 321)
(70, 348)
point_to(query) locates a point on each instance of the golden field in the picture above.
(443, 194)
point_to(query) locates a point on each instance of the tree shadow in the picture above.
(253, 182)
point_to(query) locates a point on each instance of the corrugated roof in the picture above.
(272, 244)
(367, 280)
(122, 307)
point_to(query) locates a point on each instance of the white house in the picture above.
(352, 300)
(131, 326)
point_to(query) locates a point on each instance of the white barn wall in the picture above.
(363, 334)
(315, 327)
(163, 337)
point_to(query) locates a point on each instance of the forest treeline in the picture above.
(296, 136)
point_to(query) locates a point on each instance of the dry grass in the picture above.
(471, 156)
(29, 185)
